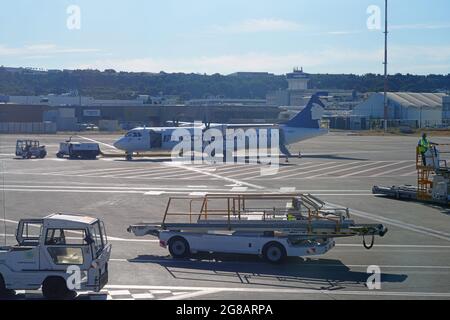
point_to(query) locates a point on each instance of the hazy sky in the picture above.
(225, 36)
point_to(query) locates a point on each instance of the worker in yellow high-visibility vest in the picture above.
(424, 146)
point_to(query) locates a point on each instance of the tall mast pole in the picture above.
(386, 112)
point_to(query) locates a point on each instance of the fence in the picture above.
(30, 127)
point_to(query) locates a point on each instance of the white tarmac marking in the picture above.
(87, 171)
(154, 193)
(119, 293)
(315, 170)
(335, 171)
(372, 169)
(127, 188)
(191, 295)
(160, 171)
(143, 296)
(134, 173)
(288, 291)
(198, 194)
(298, 168)
(235, 181)
(99, 142)
(287, 189)
(391, 171)
(413, 173)
(239, 189)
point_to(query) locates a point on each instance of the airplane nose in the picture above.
(119, 144)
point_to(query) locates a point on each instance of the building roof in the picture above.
(418, 100)
(297, 74)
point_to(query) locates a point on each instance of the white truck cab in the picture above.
(53, 252)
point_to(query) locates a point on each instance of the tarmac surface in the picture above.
(414, 257)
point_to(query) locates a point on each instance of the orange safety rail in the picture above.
(425, 173)
(235, 207)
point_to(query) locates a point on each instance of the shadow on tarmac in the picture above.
(11, 295)
(303, 273)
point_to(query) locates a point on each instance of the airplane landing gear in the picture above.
(129, 157)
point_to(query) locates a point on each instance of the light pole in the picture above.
(386, 112)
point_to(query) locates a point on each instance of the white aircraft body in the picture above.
(305, 125)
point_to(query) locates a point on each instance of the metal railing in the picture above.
(229, 209)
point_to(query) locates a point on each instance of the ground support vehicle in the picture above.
(53, 252)
(259, 224)
(27, 149)
(77, 150)
(433, 179)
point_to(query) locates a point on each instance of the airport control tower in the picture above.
(298, 80)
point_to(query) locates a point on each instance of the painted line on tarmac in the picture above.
(391, 171)
(214, 175)
(96, 190)
(372, 169)
(99, 142)
(192, 294)
(286, 291)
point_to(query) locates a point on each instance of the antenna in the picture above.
(386, 111)
(4, 198)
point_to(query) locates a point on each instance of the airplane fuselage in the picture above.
(142, 140)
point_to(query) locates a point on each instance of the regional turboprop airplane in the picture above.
(305, 125)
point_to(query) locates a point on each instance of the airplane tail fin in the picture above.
(305, 119)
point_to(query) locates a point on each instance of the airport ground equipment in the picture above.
(78, 150)
(28, 149)
(46, 249)
(433, 179)
(273, 226)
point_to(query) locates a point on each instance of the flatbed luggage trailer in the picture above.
(433, 179)
(258, 224)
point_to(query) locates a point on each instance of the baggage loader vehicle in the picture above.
(273, 226)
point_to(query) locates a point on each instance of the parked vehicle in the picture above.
(78, 150)
(28, 149)
(48, 247)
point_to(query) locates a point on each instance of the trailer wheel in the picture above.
(274, 252)
(179, 247)
(60, 155)
(56, 288)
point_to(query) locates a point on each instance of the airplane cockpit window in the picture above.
(134, 134)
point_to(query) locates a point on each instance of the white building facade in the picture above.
(415, 109)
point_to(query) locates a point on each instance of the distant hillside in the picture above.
(123, 85)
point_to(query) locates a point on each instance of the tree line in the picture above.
(125, 85)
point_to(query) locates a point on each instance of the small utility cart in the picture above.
(273, 226)
(27, 149)
(49, 250)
